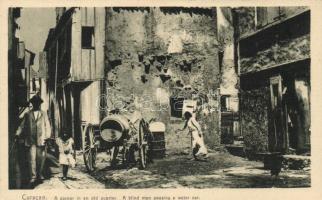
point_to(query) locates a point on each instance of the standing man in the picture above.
(33, 131)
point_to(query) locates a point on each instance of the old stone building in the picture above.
(274, 69)
(162, 61)
(143, 62)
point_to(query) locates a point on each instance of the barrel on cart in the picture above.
(158, 144)
(114, 132)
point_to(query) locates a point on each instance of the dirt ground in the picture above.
(221, 170)
(179, 170)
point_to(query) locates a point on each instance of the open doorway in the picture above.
(289, 124)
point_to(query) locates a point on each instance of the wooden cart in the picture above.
(112, 133)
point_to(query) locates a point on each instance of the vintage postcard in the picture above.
(160, 100)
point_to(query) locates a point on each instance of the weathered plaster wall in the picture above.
(229, 78)
(254, 107)
(154, 54)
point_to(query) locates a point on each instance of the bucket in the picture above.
(158, 144)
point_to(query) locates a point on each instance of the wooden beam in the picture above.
(99, 35)
(87, 16)
(76, 48)
(71, 93)
(56, 69)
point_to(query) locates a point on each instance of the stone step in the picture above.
(292, 162)
(236, 149)
(296, 162)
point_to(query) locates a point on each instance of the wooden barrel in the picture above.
(158, 144)
(114, 128)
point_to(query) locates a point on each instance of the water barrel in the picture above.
(158, 144)
(114, 128)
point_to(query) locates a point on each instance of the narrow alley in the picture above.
(160, 97)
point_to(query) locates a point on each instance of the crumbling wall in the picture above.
(153, 54)
(254, 106)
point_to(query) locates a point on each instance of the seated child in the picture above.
(66, 159)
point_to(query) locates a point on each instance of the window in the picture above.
(176, 105)
(88, 37)
(276, 91)
(225, 103)
(34, 87)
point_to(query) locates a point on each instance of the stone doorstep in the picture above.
(292, 162)
(296, 162)
(236, 149)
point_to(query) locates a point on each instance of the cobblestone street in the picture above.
(222, 170)
(76, 180)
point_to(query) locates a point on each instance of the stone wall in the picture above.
(154, 54)
(274, 46)
(254, 107)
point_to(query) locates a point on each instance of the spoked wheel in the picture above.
(142, 145)
(89, 148)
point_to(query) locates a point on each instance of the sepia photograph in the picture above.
(159, 97)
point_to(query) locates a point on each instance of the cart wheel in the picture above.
(142, 145)
(89, 148)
